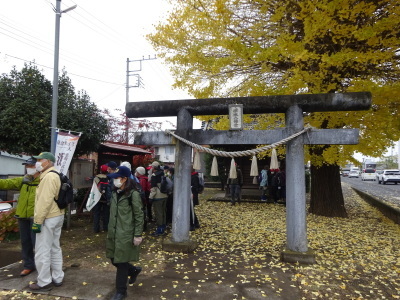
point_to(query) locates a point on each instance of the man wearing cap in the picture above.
(48, 221)
(112, 165)
(27, 186)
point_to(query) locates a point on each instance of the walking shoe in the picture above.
(135, 275)
(163, 227)
(158, 231)
(119, 296)
(26, 272)
(36, 287)
(57, 284)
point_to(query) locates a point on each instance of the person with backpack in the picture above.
(101, 211)
(158, 196)
(140, 174)
(47, 223)
(125, 229)
(169, 175)
(26, 202)
(279, 186)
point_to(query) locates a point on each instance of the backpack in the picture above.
(105, 189)
(164, 185)
(66, 193)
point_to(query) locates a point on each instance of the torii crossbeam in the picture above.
(293, 106)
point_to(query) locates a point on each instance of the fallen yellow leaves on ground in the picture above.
(239, 252)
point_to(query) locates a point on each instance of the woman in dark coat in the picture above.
(124, 229)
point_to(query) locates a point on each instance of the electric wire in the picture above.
(74, 59)
(86, 77)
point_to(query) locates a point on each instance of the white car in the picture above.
(377, 173)
(368, 174)
(392, 175)
(354, 174)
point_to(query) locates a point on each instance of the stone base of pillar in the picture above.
(184, 247)
(300, 257)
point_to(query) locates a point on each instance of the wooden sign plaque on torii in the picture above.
(293, 106)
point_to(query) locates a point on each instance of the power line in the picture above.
(86, 77)
(48, 50)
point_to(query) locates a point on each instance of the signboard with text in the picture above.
(65, 148)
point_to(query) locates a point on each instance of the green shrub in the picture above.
(8, 224)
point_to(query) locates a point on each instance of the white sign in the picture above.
(94, 197)
(236, 116)
(65, 148)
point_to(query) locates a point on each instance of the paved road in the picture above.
(389, 192)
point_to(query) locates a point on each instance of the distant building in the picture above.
(165, 154)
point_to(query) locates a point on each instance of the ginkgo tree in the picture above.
(258, 47)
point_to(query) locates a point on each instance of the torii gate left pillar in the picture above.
(293, 106)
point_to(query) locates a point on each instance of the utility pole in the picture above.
(136, 85)
(54, 107)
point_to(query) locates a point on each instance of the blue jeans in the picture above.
(28, 239)
(235, 192)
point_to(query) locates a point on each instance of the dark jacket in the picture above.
(279, 179)
(195, 182)
(238, 180)
(126, 222)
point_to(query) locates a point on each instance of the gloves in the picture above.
(36, 228)
(137, 240)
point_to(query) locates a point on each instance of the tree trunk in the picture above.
(326, 192)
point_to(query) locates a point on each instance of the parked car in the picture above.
(377, 173)
(354, 174)
(345, 172)
(392, 175)
(368, 174)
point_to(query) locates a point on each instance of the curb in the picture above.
(389, 211)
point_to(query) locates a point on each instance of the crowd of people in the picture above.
(129, 201)
(273, 185)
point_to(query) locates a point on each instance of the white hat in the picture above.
(140, 170)
(155, 164)
(126, 164)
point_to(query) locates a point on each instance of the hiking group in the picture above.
(128, 203)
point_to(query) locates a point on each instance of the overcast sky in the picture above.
(96, 38)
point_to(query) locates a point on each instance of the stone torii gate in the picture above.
(293, 106)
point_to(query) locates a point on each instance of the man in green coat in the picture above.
(26, 202)
(125, 229)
